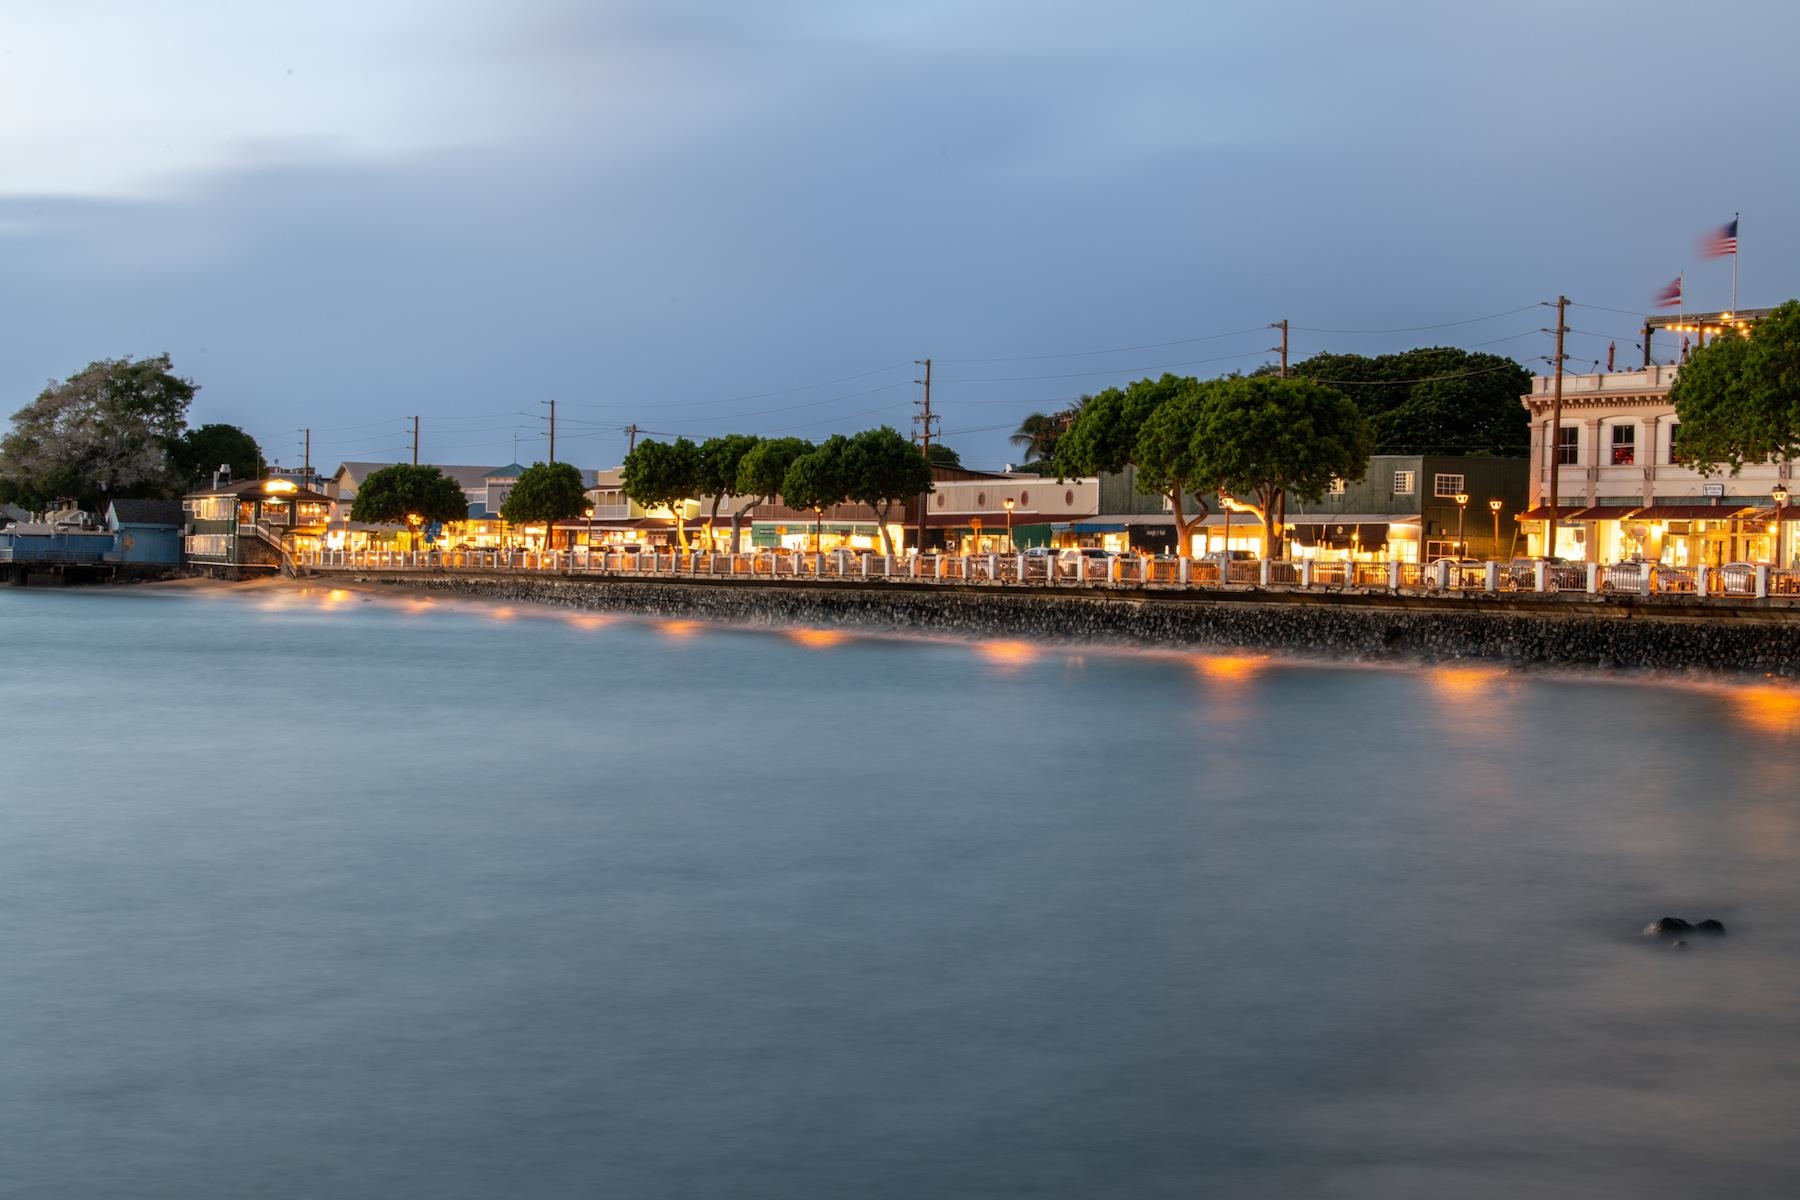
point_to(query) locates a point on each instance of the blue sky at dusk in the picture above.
(706, 217)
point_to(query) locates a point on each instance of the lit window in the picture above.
(1624, 445)
(1447, 485)
(1403, 483)
(1336, 488)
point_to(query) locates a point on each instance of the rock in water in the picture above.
(1678, 944)
(1666, 927)
(1716, 928)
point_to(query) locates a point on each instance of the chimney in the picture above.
(222, 476)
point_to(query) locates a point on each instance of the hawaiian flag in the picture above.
(1670, 297)
(1721, 243)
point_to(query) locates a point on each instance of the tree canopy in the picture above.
(881, 468)
(547, 492)
(764, 468)
(405, 494)
(939, 455)
(664, 475)
(103, 433)
(720, 460)
(1268, 437)
(1149, 425)
(817, 479)
(1738, 398)
(1436, 400)
(199, 452)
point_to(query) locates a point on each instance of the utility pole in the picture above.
(1555, 435)
(306, 460)
(924, 419)
(631, 431)
(1282, 325)
(552, 404)
(415, 441)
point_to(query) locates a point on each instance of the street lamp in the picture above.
(1462, 508)
(818, 529)
(1779, 495)
(1494, 507)
(1008, 502)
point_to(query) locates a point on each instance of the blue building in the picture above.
(146, 531)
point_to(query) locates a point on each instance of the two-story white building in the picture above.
(1622, 490)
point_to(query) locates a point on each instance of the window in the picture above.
(1336, 488)
(1403, 483)
(1448, 485)
(1624, 445)
(1568, 445)
(1674, 436)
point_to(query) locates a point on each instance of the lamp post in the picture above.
(1779, 495)
(1008, 502)
(1462, 508)
(818, 529)
(1494, 507)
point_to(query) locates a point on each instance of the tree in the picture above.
(762, 471)
(1738, 398)
(720, 460)
(103, 433)
(1116, 429)
(1436, 400)
(199, 452)
(1039, 432)
(664, 475)
(817, 479)
(404, 494)
(1269, 436)
(881, 467)
(939, 455)
(547, 492)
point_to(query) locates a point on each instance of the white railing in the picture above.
(1734, 581)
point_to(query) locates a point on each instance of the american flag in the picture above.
(1670, 297)
(1721, 243)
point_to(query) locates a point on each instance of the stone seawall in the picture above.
(1536, 632)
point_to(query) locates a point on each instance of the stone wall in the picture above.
(1524, 632)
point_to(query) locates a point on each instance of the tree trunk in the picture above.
(737, 519)
(881, 521)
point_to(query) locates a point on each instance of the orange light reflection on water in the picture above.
(502, 614)
(1228, 668)
(1767, 709)
(816, 639)
(589, 621)
(1462, 683)
(1010, 655)
(679, 629)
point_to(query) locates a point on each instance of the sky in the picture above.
(712, 216)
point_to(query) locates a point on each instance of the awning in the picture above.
(1339, 534)
(1606, 512)
(1690, 512)
(1542, 512)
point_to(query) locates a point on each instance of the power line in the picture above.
(1194, 362)
(1421, 328)
(1211, 337)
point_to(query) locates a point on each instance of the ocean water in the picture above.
(310, 894)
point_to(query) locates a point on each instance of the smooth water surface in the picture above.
(305, 894)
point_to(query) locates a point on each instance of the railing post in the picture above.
(1306, 572)
(1762, 580)
(1393, 574)
(1493, 576)
(1593, 580)
(1702, 580)
(1540, 576)
(1267, 572)
(1185, 570)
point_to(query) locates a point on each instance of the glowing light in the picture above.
(1229, 668)
(502, 614)
(680, 629)
(1768, 709)
(1463, 682)
(281, 485)
(1007, 654)
(816, 639)
(589, 622)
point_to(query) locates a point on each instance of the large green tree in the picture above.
(404, 494)
(199, 452)
(882, 468)
(1269, 437)
(1738, 398)
(720, 460)
(664, 474)
(103, 433)
(817, 478)
(547, 492)
(762, 472)
(1436, 400)
(1127, 427)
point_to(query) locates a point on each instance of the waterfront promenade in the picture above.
(1734, 585)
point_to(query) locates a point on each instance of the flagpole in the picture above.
(1737, 232)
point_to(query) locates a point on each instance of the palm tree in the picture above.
(1038, 433)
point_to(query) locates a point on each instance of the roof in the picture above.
(146, 512)
(468, 478)
(249, 489)
(1690, 512)
(509, 471)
